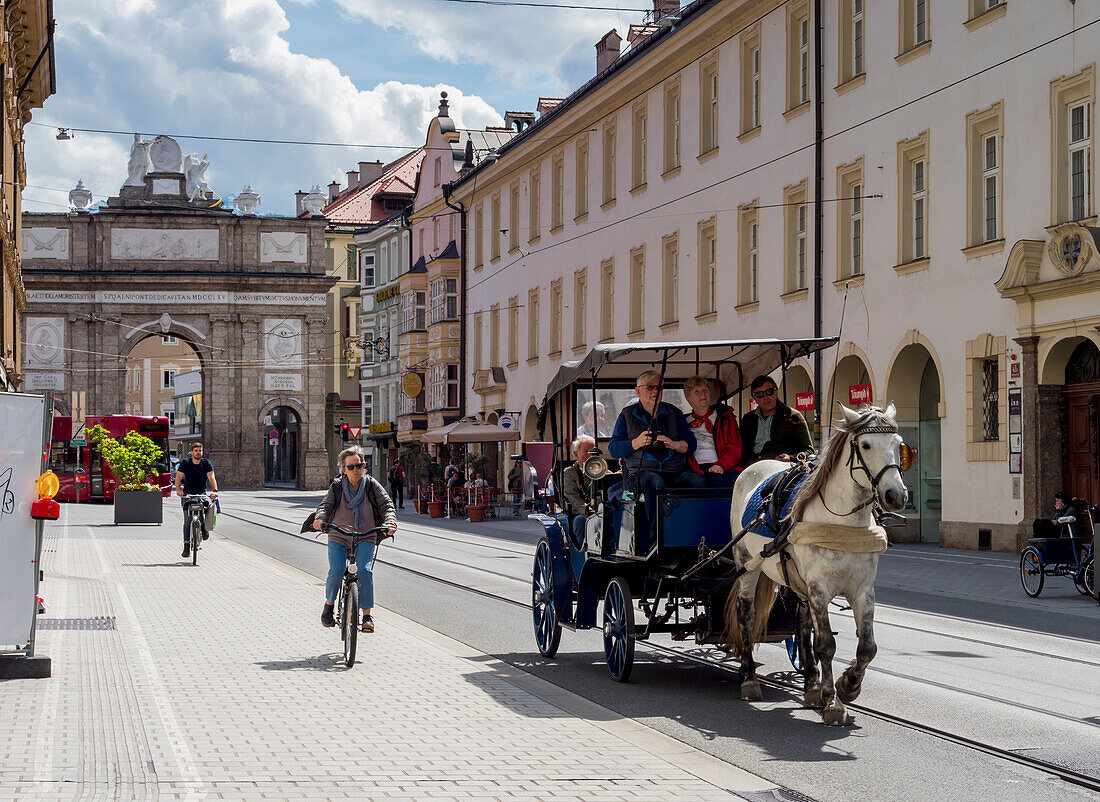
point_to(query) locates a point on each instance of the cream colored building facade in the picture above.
(27, 59)
(673, 197)
(151, 370)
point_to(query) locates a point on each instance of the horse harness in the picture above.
(857, 463)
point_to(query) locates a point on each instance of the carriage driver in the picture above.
(655, 440)
(773, 430)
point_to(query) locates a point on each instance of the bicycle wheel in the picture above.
(1031, 571)
(351, 618)
(1088, 576)
(196, 538)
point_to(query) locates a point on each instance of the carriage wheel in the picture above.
(618, 629)
(1031, 571)
(1088, 578)
(547, 626)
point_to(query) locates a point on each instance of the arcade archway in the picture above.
(164, 377)
(914, 388)
(1075, 364)
(282, 429)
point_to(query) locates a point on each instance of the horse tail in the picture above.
(762, 605)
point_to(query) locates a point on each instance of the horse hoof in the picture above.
(846, 691)
(750, 691)
(812, 698)
(836, 716)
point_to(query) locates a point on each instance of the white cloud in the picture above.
(216, 68)
(543, 48)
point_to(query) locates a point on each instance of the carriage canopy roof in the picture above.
(734, 362)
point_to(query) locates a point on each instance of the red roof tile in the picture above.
(361, 206)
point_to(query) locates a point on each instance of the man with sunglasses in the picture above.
(773, 430)
(655, 440)
(355, 501)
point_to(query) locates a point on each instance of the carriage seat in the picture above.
(774, 496)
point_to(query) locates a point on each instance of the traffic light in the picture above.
(345, 432)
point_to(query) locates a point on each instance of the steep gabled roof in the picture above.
(361, 206)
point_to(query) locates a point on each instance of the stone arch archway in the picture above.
(1070, 415)
(531, 423)
(852, 368)
(914, 384)
(1057, 356)
(797, 379)
(144, 363)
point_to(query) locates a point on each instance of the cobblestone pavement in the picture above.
(218, 682)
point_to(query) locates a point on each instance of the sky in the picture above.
(367, 72)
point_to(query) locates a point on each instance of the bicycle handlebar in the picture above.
(379, 529)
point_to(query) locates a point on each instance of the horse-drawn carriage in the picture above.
(683, 573)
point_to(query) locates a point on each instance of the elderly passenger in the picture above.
(773, 430)
(655, 440)
(592, 417)
(718, 438)
(576, 487)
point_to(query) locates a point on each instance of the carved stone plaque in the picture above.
(165, 244)
(281, 382)
(285, 247)
(45, 341)
(43, 381)
(282, 343)
(166, 186)
(45, 243)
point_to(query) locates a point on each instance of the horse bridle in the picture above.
(857, 463)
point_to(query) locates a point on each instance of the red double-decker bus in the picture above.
(83, 473)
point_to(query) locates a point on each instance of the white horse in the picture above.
(833, 551)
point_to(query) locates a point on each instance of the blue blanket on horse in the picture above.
(761, 497)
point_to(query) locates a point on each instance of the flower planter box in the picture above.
(435, 509)
(476, 512)
(138, 507)
(421, 506)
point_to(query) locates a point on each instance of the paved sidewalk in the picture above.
(218, 682)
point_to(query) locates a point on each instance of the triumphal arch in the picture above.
(164, 257)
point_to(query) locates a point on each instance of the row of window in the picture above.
(913, 21)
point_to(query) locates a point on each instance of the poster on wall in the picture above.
(859, 394)
(22, 424)
(1015, 431)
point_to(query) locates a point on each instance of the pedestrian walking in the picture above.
(397, 483)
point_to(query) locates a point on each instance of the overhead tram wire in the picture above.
(790, 153)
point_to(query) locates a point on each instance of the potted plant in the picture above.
(475, 464)
(132, 458)
(436, 504)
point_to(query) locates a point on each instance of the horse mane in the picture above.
(830, 456)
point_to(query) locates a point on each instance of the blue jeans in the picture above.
(364, 561)
(187, 523)
(708, 479)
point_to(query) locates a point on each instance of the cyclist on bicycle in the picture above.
(195, 474)
(358, 502)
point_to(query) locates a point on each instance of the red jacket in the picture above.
(727, 439)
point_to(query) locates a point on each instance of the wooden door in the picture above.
(1082, 468)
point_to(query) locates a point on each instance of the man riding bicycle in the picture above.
(355, 501)
(195, 474)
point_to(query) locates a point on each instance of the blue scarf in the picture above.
(354, 500)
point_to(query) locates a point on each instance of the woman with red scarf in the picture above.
(718, 449)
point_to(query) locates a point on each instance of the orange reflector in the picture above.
(48, 485)
(908, 456)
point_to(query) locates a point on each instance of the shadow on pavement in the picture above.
(702, 699)
(333, 661)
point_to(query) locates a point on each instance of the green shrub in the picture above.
(131, 458)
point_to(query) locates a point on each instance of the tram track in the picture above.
(1068, 775)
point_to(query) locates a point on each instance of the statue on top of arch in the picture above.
(194, 169)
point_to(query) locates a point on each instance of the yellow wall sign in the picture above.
(386, 294)
(412, 385)
(381, 428)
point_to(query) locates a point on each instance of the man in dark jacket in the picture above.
(773, 430)
(655, 440)
(1063, 508)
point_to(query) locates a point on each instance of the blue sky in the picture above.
(362, 71)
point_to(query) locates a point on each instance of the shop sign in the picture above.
(804, 402)
(412, 384)
(386, 294)
(508, 420)
(859, 394)
(380, 428)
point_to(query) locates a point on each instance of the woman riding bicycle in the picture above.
(355, 501)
